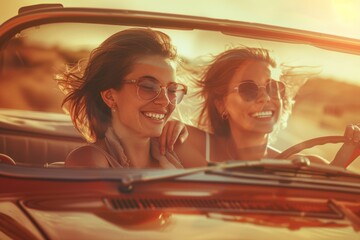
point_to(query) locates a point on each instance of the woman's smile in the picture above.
(262, 114)
(155, 116)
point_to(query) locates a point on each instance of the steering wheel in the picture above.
(309, 144)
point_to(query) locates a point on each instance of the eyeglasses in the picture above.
(149, 89)
(249, 90)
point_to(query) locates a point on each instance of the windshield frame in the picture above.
(58, 14)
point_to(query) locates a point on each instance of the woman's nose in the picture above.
(162, 98)
(263, 95)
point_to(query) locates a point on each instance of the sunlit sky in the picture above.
(339, 17)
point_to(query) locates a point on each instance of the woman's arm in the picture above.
(173, 132)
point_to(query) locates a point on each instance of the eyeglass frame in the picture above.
(236, 89)
(135, 81)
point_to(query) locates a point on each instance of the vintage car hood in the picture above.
(92, 221)
(55, 204)
(95, 218)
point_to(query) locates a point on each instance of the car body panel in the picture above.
(213, 208)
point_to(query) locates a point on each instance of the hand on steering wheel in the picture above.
(351, 148)
(346, 154)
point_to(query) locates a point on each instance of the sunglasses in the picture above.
(249, 90)
(149, 89)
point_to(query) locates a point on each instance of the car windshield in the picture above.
(325, 84)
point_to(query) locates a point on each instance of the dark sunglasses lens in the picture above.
(248, 91)
(148, 88)
(276, 89)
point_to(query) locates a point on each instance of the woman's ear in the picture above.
(221, 109)
(107, 97)
(219, 105)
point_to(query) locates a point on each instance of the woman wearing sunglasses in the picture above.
(122, 101)
(244, 103)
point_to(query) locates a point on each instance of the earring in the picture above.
(224, 115)
(114, 108)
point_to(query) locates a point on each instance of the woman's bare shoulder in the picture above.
(196, 132)
(192, 150)
(87, 156)
(196, 137)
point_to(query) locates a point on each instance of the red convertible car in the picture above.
(269, 198)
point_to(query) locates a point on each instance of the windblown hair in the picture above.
(214, 82)
(106, 68)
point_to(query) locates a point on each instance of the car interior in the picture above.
(30, 146)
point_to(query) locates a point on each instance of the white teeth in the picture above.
(157, 116)
(264, 114)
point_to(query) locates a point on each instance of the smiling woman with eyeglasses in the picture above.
(122, 101)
